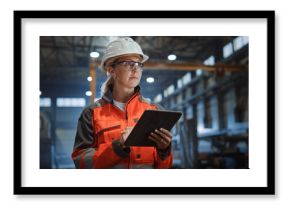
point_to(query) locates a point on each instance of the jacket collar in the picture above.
(108, 96)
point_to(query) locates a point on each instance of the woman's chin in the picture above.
(134, 82)
(133, 85)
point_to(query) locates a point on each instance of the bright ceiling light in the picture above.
(94, 54)
(150, 80)
(171, 57)
(88, 93)
(89, 78)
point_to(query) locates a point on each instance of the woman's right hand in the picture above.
(124, 135)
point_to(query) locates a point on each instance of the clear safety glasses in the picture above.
(129, 65)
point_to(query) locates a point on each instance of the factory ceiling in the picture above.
(65, 60)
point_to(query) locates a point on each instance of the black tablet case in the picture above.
(149, 121)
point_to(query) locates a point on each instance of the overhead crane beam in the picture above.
(192, 67)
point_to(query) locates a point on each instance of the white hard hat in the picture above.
(122, 46)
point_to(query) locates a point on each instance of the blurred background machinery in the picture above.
(205, 77)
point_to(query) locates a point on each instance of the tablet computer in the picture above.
(149, 121)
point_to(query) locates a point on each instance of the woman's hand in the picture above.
(124, 135)
(161, 137)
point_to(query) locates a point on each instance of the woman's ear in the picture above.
(111, 71)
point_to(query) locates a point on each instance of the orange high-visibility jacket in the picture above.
(98, 132)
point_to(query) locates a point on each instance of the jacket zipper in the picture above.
(126, 113)
(126, 117)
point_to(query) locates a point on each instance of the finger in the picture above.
(156, 136)
(154, 139)
(168, 133)
(165, 135)
(163, 139)
(127, 129)
(160, 140)
(166, 139)
(162, 134)
(130, 129)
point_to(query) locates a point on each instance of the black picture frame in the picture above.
(19, 189)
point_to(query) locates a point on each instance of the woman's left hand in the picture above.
(161, 137)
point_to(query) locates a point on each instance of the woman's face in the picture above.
(125, 72)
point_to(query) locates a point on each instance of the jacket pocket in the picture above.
(143, 155)
(107, 133)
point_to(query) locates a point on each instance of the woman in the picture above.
(104, 126)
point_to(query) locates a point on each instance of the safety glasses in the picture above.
(129, 65)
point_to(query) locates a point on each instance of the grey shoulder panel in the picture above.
(159, 107)
(99, 103)
(149, 101)
(146, 100)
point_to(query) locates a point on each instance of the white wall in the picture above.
(282, 94)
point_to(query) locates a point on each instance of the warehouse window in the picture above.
(170, 90)
(179, 83)
(186, 78)
(70, 102)
(240, 42)
(209, 61)
(158, 98)
(45, 102)
(165, 93)
(228, 50)
(198, 72)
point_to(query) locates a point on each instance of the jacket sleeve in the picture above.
(163, 158)
(86, 154)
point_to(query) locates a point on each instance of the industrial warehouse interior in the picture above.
(204, 77)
